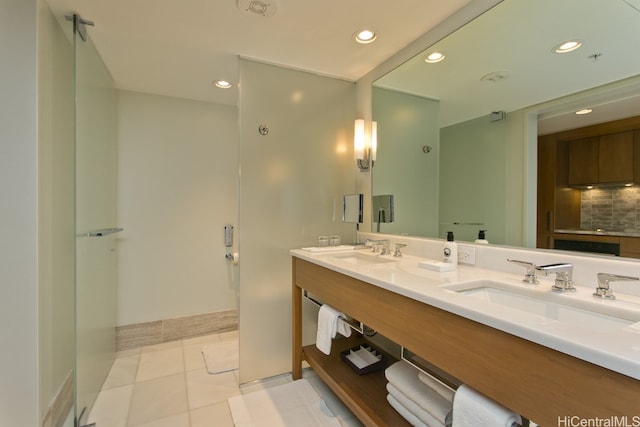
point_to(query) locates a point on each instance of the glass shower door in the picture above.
(95, 196)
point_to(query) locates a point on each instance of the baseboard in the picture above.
(160, 331)
(58, 410)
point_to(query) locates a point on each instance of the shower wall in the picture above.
(18, 210)
(56, 217)
(177, 188)
(36, 232)
(291, 189)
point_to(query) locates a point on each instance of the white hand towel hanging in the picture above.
(329, 322)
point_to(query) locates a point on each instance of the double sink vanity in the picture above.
(544, 354)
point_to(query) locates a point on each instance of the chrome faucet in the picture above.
(564, 276)
(397, 252)
(603, 290)
(530, 275)
(383, 243)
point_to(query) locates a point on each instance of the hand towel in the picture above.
(329, 323)
(472, 409)
(420, 413)
(342, 328)
(405, 378)
(412, 419)
(440, 388)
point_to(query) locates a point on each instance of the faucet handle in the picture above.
(530, 275)
(603, 290)
(397, 252)
(564, 276)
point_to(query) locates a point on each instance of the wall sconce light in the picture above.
(365, 146)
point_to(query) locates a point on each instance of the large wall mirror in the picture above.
(457, 138)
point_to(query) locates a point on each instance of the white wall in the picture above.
(292, 183)
(18, 215)
(406, 123)
(177, 188)
(482, 178)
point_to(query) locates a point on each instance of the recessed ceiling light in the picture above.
(222, 84)
(434, 57)
(568, 46)
(365, 36)
(584, 111)
(265, 8)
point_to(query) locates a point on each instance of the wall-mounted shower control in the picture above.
(228, 235)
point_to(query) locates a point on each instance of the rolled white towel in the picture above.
(405, 378)
(440, 388)
(422, 414)
(472, 409)
(406, 414)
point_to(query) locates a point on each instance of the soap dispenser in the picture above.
(481, 238)
(450, 249)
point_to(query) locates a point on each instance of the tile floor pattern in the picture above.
(167, 385)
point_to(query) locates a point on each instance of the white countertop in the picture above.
(617, 349)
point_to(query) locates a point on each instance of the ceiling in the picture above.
(516, 39)
(178, 48)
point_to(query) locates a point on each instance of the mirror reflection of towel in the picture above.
(329, 323)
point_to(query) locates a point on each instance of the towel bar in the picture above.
(352, 323)
(415, 361)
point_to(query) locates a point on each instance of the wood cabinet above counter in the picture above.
(607, 154)
(605, 159)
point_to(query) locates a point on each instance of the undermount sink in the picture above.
(359, 258)
(594, 316)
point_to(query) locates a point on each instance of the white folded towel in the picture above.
(329, 323)
(440, 388)
(472, 409)
(405, 378)
(423, 415)
(406, 414)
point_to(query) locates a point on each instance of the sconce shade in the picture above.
(358, 139)
(374, 140)
(365, 144)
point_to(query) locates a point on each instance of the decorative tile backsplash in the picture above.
(611, 209)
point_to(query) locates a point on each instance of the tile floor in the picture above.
(167, 385)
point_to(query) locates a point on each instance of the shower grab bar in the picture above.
(352, 323)
(104, 232)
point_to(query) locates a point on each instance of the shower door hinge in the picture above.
(79, 25)
(78, 422)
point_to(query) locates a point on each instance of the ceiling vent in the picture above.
(264, 8)
(496, 76)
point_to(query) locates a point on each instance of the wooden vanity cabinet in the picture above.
(538, 382)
